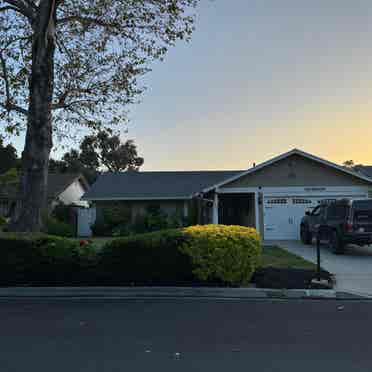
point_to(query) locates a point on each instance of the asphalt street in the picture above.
(185, 335)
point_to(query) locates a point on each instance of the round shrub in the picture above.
(227, 253)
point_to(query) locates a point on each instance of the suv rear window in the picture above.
(362, 205)
(363, 211)
(337, 211)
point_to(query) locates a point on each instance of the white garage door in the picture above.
(282, 215)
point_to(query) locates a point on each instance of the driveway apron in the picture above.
(353, 270)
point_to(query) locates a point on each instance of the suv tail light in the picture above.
(349, 226)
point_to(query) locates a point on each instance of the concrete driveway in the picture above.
(353, 270)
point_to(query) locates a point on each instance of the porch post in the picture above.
(257, 211)
(215, 209)
(186, 208)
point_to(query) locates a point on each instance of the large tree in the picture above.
(107, 151)
(98, 153)
(71, 63)
(8, 157)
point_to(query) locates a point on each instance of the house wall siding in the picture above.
(296, 171)
(139, 207)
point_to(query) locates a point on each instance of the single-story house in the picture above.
(272, 196)
(63, 188)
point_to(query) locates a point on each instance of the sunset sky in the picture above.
(259, 78)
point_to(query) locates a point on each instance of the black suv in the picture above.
(340, 222)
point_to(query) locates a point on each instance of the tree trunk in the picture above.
(38, 144)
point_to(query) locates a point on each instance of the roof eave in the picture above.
(283, 156)
(136, 198)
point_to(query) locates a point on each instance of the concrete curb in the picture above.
(162, 293)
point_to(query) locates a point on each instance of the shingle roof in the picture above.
(147, 185)
(365, 169)
(57, 183)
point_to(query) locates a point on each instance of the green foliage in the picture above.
(277, 257)
(152, 258)
(156, 219)
(207, 254)
(39, 260)
(10, 176)
(105, 150)
(177, 220)
(2, 221)
(63, 213)
(117, 215)
(228, 253)
(116, 220)
(58, 228)
(113, 221)
(8, 157)
(70, 163)
(100, 228)
(110, 45)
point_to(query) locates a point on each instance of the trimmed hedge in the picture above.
(58, 228)
(198, 255)
(42, 260)
(212, 254)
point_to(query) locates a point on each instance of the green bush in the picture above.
(2, 221)
(58, 228)
(100, 228)
(207, 254)
(151, 258)
(40, 260)
(117, 215)
(228, 253)
(64, 213)
(114, 221)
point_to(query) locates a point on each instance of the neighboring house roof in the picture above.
(365, 170)
(284, 156)
(153, 185)
(57, 183)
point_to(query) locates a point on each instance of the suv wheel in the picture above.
(336, 243)
(306, 237)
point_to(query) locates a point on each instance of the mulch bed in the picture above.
(278, 278)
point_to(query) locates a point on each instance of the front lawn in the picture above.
(273, 256)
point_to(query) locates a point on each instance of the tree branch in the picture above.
(11, 107)
(85, 20)
(8, 105)
(31, 4)
(24, 8)
(5, 77)
(5, 8)
(62, 105)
